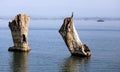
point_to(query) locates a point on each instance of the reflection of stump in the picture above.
(71, 38)
(19, 62)
(75, 64)
(19, 31)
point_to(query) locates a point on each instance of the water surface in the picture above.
(50, 54)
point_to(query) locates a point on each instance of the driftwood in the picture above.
(71, 38)
(19, 31)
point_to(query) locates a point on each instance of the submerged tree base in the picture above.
(78, 52)
(19, 49)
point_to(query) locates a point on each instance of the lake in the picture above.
(50, 54)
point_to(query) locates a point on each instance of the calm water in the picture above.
(50, 54)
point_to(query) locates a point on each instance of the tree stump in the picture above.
(71, 38)
(19, 31)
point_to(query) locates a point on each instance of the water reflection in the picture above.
(76, 64)
(19, 62)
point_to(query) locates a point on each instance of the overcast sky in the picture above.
(55, 8)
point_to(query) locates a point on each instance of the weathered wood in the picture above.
(19, 31)
(71, 38)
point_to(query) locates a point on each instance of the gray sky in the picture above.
(55, 8)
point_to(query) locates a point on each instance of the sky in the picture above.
(61, 8)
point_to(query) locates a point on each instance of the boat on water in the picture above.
(100, 20)
(0, 19)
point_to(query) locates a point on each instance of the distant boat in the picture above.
(100, 20)
(0, 19)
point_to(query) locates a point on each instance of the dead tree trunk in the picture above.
(71, 38)
(19, 31)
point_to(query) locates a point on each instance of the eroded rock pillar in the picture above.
(19, 31)
(71, 38)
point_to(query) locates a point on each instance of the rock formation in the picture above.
(19, 31)
(71, 38)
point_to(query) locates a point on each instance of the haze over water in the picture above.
(58, 8)
(48, 50)
(50, 54)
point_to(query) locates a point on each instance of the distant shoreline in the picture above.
(61, 18)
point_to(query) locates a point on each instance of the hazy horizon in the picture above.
(61, 8)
